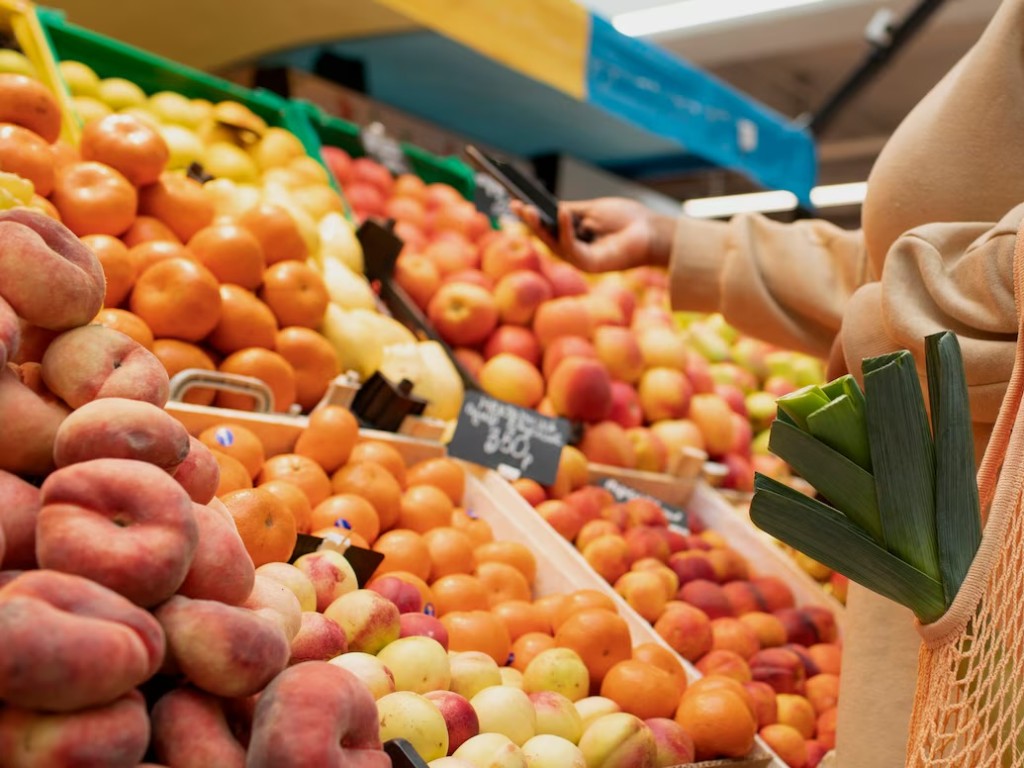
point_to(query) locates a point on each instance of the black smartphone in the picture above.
(520, 186)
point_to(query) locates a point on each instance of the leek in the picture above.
(903, 458)
(957, 508)
(801, 404)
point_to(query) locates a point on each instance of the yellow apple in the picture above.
(89, 109)
(224, 160)
(184, 144)
(16, 63)
(80, 79)
(409, 716)
(118, 93)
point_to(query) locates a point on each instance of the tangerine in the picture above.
(719, 722)
(238, 442)
(179, 202)
(478, 529)
(277, 232)
(600, 637)
(94, 199)
(232, 253)
(177, 356)
(118, 267)
(127, 144)
(233, 475)
(424, 508)
(127, 323)
(521, 617)
(296, 293)
(26, 154)
(265, 365)
(504, 583)
(329, 437)
(379, 487)
(641, 689)
(381, 453)
(264, 523)
(511, 552)
(146, 254)
(145, 229)
(549, 605)
(459, 592)
(178, 299)
(451, 551)
(786, 742)
(582, 600)
(403, 551)
(314, 360)
(526, 647)
(348, 511)
(662, 658)
(444, 473)
(477, 631)
(296, 501)
(300, 471)
(245, 321)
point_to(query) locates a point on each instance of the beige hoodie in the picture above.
(936, 253)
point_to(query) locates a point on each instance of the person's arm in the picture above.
(945, 277)
(787, 284)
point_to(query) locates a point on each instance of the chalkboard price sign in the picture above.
(622, 493)
(515, 441)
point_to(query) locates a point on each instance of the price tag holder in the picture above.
(385, 149)
(517, 442)
(622, 492)
(363, 561)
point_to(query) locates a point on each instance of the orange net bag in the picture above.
(969, 704)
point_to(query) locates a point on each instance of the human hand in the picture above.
(605, 235)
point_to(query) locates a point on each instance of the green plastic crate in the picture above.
(336, 132)
(152, 73)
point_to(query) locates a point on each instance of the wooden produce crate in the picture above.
(560, 568)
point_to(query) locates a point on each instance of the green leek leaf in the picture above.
(846, 486)
(840, 426)
(957, 508)
(903, 458)
(801, 404)
(824, 534)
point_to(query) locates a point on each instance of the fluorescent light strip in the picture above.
(832, 196)
(696, 13)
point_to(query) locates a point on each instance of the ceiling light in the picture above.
(696, 13)
(839, 194)
(831, 196)
(756, 202)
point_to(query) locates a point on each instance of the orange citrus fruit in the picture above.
(245, 321)
(375, 484)
(600, 637)
(299, 471)
(521, 617)
(296, 294)
(664, 659)
(179, 202)
(146, 228)
(295, 500)
(233, 475)
(346, 510)
(178, 298)
(118, 267)
(276, 231)
(265, 524)
(231, 253)
(238, 442)
(459, 592)
(719, 722)
(265, 365)
(329, 438)
(503, 582)
(478, 631)
(444, 473)
(525, 647)
(424, 508)
(641, 689)
(127, 323)
(581, 600)
(380, 453)
(177, 356)
(403, 551)
(313, 359)
(511, 552)
(451, 551)
(145, 255)
(478, 529)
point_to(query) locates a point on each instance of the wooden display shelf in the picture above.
(560, 567)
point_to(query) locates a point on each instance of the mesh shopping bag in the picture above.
(969, 703)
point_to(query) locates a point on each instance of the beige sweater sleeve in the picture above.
(785, 283)
(956, 277)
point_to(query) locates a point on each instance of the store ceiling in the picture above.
(792, 60)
